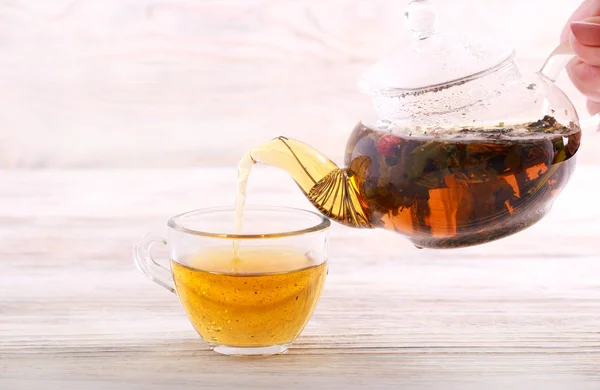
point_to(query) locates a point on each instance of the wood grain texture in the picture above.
(178, 83)
(520, 313)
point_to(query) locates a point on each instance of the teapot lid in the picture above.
(432, 60)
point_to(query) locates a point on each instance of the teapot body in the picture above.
(460, 189)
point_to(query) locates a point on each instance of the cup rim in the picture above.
(323, 224)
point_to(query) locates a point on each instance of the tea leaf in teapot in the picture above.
(388, 145)
(431, 152)
(560, 157)
(432, 180)
(573, 142)
(391, 161)
(547, 122)
(513, 159)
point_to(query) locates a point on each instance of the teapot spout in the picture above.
(332, 190)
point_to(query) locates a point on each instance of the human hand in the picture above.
(583, 33)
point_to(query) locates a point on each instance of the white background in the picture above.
(173, 83)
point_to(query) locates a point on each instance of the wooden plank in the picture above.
(75, 313)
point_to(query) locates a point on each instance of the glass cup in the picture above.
(256, 302)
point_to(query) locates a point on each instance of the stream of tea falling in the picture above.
(244, 168)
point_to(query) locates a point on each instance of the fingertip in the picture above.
(575, 44)
(572, 68)
(585, 77)
(585, 72)
(593, 107)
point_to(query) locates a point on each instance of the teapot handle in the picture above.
(557, 61)
(553, 67)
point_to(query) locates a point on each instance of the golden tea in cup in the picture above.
(263, 297)
(257, 302)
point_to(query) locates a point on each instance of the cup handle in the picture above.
(146, 263)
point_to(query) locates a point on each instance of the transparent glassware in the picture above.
(257, 305)
(461, 147)
(445, 80)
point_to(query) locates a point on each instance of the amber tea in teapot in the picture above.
(464, 187)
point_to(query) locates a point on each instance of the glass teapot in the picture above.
(462, 148)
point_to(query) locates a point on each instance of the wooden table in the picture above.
(75, 313)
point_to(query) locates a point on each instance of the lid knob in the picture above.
(431, 59)
(421, 18)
